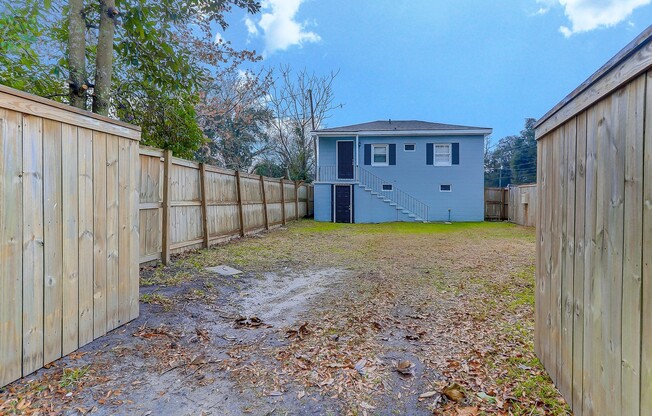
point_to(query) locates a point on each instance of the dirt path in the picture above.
(319, 323)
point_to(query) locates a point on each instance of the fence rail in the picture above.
(186, 205)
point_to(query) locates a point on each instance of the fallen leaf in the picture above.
(405, 367)
(486, 397)
(427, 394)
(467, 411)
(366, 405)
(454, 392)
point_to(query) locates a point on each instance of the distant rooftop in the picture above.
(398, 125)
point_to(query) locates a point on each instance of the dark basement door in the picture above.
(343, 203)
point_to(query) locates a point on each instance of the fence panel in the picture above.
(521, 204)
(593, 304)
(204, 200)
(58, 225)
(496, 204)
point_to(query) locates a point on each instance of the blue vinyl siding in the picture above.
(412, 175)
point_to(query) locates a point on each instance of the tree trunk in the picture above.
(104, 60)
(77, 54)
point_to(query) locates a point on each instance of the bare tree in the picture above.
(289, 101)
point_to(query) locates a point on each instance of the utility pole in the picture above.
(500, 181)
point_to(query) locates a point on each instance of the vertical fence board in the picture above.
(99, 234)
(590, 249)
(53, 243)
(167, 190)
(578, 275)
(547, 251)
(124, 233)
(538, 309)
(633, 106)
(134, 255)
(646, 281)
(566, 354)
(613, 249)
(86, 239)
(32, 244)
(11, 234)
(70, 243)
(112, 232)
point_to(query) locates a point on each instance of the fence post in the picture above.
(165, 237)
(204, 204)
(296, 200)
(240, 213)
(262, 184)
(283, 201)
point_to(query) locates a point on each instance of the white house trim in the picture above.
(402, 133)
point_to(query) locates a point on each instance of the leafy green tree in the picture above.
(137, 60)
(513, 160)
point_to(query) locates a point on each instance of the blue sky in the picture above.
(471, 62)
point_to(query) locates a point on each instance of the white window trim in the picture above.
(450, 187)
(387, 190)
(410, 144)
(386, 162)
(450, 154)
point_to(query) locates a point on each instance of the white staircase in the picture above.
(403, 202)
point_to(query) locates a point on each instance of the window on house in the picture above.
(409, 147)
(443, 154)
(445, 188)
(379, 155)
(388, 187)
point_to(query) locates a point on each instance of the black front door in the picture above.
(345, 160)
(343, 203)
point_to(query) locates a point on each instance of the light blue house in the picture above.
(400, 171)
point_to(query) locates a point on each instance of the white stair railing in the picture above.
(402, 199)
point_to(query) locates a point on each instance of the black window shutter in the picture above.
(367, 154)
(456, 154)
(392, 154)
(429, 154)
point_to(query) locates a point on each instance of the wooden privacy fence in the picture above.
(594, 238)
(68, 230)
(522, 204)
(496, 204)
(186, 205)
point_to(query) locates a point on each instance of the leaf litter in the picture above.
(427, 319)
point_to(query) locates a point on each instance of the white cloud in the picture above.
(251, 27)
(218, 38)
(279, 26)
(587, 15)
